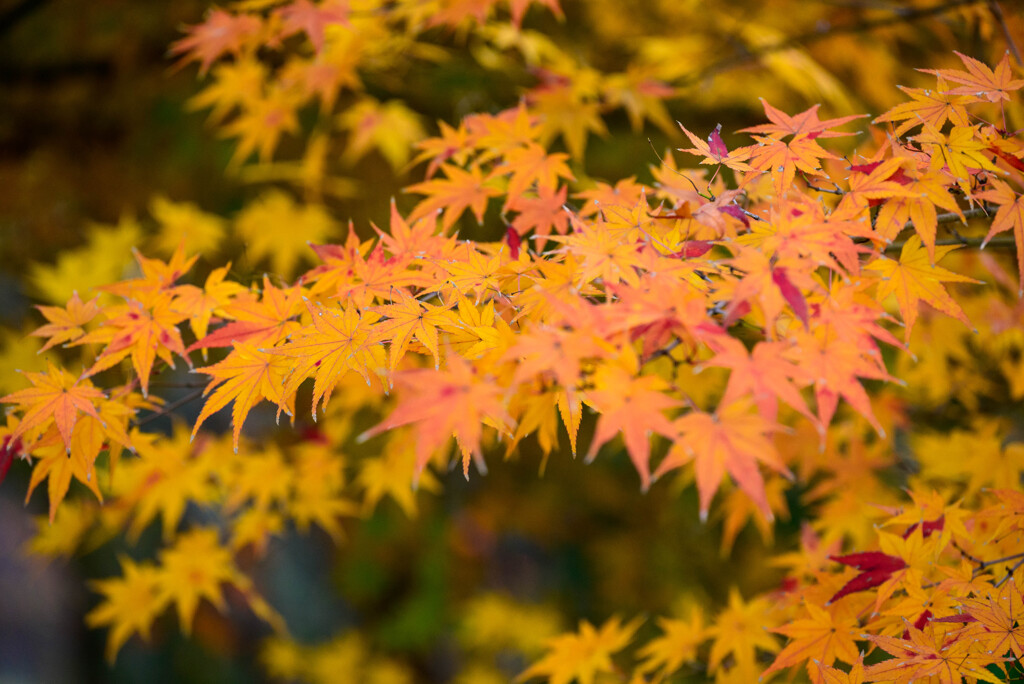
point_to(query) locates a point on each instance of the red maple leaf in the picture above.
(875, 569)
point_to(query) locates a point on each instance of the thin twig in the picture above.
(974, 212)
(837, 190)
(996, 561)
(170, 408)
(997, 12)
(1004, 242)
(1009, 573)
(823, 34)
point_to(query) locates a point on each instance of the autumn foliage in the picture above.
(781, 318)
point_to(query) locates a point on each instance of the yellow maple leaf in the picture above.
(913, 279)
(130, 604)
(584, 654)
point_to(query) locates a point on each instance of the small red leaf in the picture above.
(876, 568)
(791, 293)
(927, 528)
(716, 143)
(1008, 158)
(8, 448)
(737, 213)
(693, 248)
(514, 242)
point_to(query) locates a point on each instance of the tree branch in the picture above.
(824, 33)
(1004, 242)
(997, 12)
(10, 18)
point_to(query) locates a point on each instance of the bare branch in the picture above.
(824, 33)
(997, 12)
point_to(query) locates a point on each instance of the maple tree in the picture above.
(735, 326)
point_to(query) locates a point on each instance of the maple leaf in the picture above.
(913, 280)
(276, 227)
(931, 106)
(835, 365)
(961, 150)
(518, 9)
(192, 570)
(633, 405)
(452, 143)
(1009, 216)
(55, 398)
(144, 330)
(529, 165)
(876, 568)
(66, 324)
(677, 644)
(714, 150)
(732, 440)
(420, 240)
(167, 476)
(131, 603)
(200, 304)
(455, 402)
(805, 123)
(59, 464)
(782, 160)
(390, 475)
(981, 81)
(822, 637)
(157, 275)
(263, 319)
(740, 630)
(927, 191)
(220, 32)
(304, 16)
(459, 191)
(930, 654)
(870, 184)
(602, 253)
(317, 496)
(336, 342)
(764, 374)
(184, 223)
(247, 376)
(999, 620)
(584, 655)
(567, 112)
(410, 318)
(541, 214)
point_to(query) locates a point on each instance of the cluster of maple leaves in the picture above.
(776, 262)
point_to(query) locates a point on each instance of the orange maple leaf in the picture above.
(337, 341)
(732, 440)
(220, 33)
(931, 106)
(913, 280)
(260, 319)
(459, 191)
(56, 397)
(1010, 216)
(66, 324)
(529, 165)
(247, 376)
(303, 16)
(440, 404)
(143, 330)
(633, 405)
(821, 637)
(805, 123)
(980, 80)
(930, 654)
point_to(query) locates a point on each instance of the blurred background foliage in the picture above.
(104, 147)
